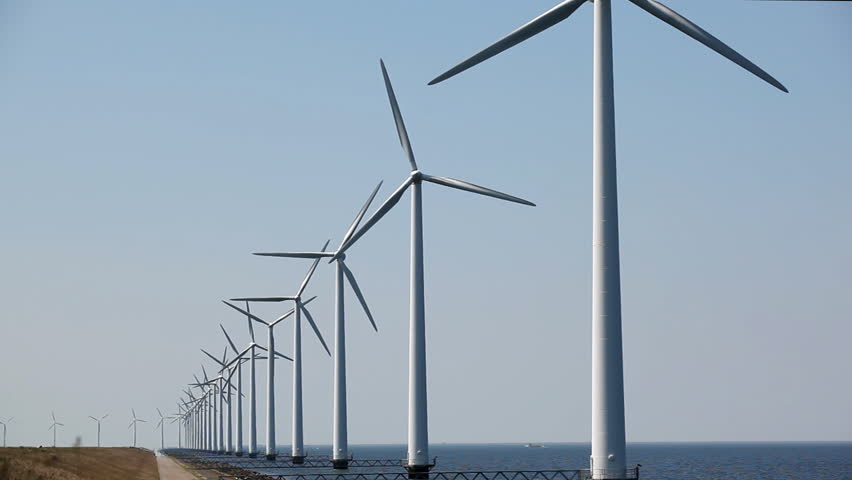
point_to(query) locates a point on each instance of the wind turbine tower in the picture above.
(608, 456)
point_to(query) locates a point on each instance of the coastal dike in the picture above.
(77, 463)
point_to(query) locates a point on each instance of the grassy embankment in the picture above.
(25, 463)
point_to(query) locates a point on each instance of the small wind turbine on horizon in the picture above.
(99, 426)
(133, 425)
(340, 443)
(297, 452)
(53, 427)
(418, 437)
(608, 458)
(4, 429)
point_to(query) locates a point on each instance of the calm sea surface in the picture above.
(660, 461)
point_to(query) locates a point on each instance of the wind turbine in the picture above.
(99, 426)
(211, 393)
(608, 438)
(53, 427)
(252, 448)
(418, 437)
(297, 449)
(340, 446)
(179, 416)
(4, 429)
(133, 424)
(238, 448)
(162, 427)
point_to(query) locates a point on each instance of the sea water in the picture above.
(660, 461)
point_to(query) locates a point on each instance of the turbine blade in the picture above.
(211, 356)
(279, 354)
(239, 356)
(351, 277)
(311, 272)
(159, 412)
(93, 418)
(470, 187)
(377, 215)
(251, 328)
(676, 20)
(397, 118)
(292, 310)
(104, 416)
(534, 27)
(205, 374)
(283, 317)
(295, 254)
(263, 299)
(54, 416)
(249, 315)
(228, 337)
(316, 330)
(134, 413)
(360, 215)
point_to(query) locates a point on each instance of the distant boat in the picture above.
(534, 445)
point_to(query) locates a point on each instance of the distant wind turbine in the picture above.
(133, 425)
(4, 429)
(608, 459)
(53, 427)
(162, 427)
(340, 446)
(99, 426)
(418, 437)
(297, 449)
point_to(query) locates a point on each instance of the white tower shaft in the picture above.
(608, 437)
(298, 450)
(270, 398)
(252, 449)
(418, 435)
(340, 446)
(239, 447)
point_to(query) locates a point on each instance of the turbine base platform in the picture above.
(239, 454)
(340, 464)
(252, 455)
(271, 456)
(418, 472)
(297, 460)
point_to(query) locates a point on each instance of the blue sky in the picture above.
(148, 148)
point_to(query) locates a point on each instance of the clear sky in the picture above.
(146, 148)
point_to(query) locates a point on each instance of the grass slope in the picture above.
(25, 463)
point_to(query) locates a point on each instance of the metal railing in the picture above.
(631, 474)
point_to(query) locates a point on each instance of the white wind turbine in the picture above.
(162, 427)
(217, 438)
(251, 349)
(418, 437)
(340, 444)
(4, 429)
(237, 367)
(53, 427)
(179, 416)
(99, 426)
(608, 438)
(297, 452)
(133, 425)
